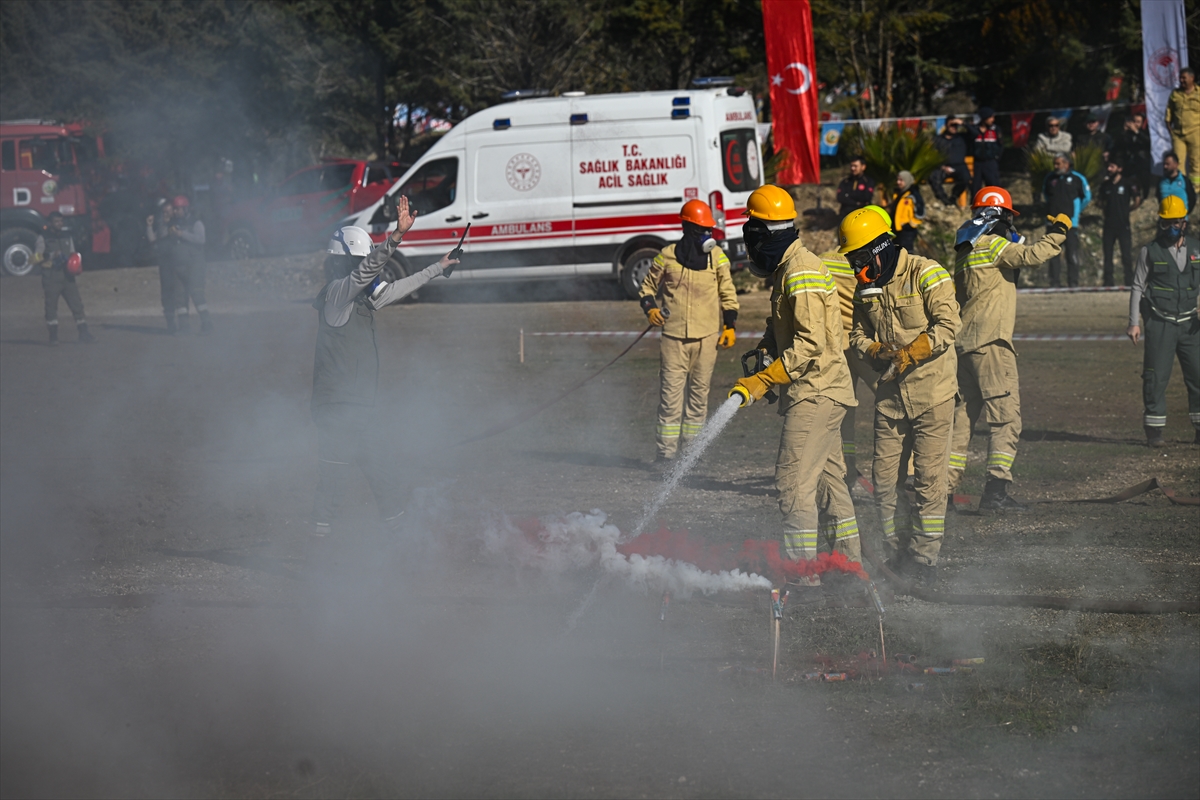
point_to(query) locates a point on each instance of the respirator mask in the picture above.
(874, 265)
(1169, 230)
(693, 249)
(766, 242)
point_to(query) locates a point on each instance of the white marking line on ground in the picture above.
(1018, 337)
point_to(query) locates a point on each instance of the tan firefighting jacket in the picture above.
(805, 330)
(1183, 112)
(918, 299)
(986, 281)
(695, 297)
(843, 276)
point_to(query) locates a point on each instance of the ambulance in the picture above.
(577, 185)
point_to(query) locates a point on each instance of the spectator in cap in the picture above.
(954, 146)
(1095, 137)
(1055, 140)
(987, 146)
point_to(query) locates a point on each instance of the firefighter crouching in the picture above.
(1166, 291)
(905, 323)
(60, 262)
(346, 365)
(691, 280)
(804, 337)
(989, 257)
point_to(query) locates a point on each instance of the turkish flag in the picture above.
(1022, 124)
(792, 67)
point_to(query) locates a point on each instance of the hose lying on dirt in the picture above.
(524, 415)
(1035, 601)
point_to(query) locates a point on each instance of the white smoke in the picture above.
(580, 541)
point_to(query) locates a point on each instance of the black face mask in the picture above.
(693, 249)
(877, 275)
(766, 247)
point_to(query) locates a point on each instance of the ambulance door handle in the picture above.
(480, 215)
(453, 219)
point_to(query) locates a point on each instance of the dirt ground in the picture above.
(169, 627)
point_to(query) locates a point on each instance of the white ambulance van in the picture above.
(578, 185)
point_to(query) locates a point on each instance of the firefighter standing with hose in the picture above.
(905, 313)
(989, 257)
(55, 251)
(186, 233)
(1166, 292)
(346, 364)
(691, 280)
(805, 340)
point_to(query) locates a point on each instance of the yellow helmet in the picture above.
(1172, 207)
(771, 204)
(862, 227)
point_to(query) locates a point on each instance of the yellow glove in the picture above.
(874, 348)
(1060, 219)
(753, 387)
(911, 354)
(727, 340)
(655, 317)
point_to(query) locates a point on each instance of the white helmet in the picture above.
(350, 242)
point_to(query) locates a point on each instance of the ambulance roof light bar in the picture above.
(712, 83)
(524, 94)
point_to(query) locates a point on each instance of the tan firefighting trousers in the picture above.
(686, 373)
(810, 474)
(987, 385)
(1187, 147)
(859, 371)
(926, 440)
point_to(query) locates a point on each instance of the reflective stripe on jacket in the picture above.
(695, 297)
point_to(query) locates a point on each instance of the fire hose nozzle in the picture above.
(747, 398)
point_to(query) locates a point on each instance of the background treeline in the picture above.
(276, 85)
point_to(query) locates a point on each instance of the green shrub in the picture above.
(891, 149)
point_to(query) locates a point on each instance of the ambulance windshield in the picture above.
(739, 160)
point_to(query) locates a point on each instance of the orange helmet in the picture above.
(994, 196)
(697, 212)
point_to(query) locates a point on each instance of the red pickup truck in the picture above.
(301, 212)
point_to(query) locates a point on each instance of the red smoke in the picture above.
(755, 555)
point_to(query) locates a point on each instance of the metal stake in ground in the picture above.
(879, 608)
(776, 619)
(662, 617)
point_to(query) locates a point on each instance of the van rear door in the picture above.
(519, 200)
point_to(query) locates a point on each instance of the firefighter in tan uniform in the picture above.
(989, 254)
(805, 340)
(1183, 120)
(697, 314)
(905, 313)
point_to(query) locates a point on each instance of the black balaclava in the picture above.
(766, 246)
(888, 254)
(690, 251)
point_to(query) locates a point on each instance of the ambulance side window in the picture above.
(739, 160)
(433, 186)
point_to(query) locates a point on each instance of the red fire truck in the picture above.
(49, 166)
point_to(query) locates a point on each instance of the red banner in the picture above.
(792, 68)
(1022, 124)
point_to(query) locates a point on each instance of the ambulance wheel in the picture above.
(17, 246)
(396, 268)
(634, 270)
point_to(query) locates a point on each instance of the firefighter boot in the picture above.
(53, 335)
(1154, 437)
(995, 497)
(922, 576)
(84, 334)
(205, 323)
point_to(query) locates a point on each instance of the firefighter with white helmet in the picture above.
(905, 323)
(989, 257)
(346, 364)
(689, 293)
(1166, 293)
(61, 263)
(805, 341)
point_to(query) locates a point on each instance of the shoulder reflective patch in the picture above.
(839, 267)
(932, 276)
(986, 256)
(808, 281)
(659, 260)
(721, 257)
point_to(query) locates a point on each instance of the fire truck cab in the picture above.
(42, 169)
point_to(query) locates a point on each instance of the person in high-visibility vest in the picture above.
(689, 293)
(1166, 293)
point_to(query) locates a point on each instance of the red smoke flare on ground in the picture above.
(755, 555)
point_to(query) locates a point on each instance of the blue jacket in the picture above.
(1180, 187)
(1073, 205)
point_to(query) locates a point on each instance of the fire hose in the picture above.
(1033, 600)
(524, 415)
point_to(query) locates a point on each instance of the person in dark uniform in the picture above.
(987, 147)
(857, 189)
(54, 251)
(1066, 192)
(1117, 197)
(186, 234)
(162, 251)
(346, 364)
(954, 147)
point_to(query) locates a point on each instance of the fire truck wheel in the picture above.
(634, 269)
(17, 246)
(243, 244)
(396, 268)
